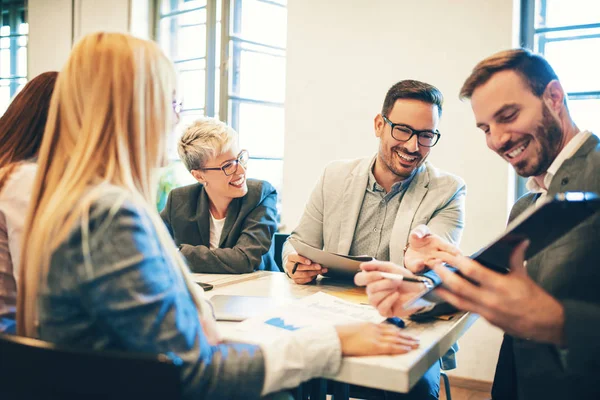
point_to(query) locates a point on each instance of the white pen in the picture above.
(398, 277)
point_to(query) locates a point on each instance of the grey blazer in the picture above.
(246, 242)
(434, 198)
(569, 270)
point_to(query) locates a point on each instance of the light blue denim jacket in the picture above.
(127, 297)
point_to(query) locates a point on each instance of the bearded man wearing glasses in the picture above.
(224, 223)
(369, 206)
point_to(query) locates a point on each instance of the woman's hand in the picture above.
(368, 339)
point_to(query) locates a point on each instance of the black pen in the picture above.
(295, 268)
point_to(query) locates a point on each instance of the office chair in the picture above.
(34, 369)
(444, 377)
(279, 240)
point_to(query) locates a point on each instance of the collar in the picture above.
(396, 187)
(567, 152)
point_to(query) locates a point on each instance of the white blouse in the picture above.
(14, 202)
(216, 229)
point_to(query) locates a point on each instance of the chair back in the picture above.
(279, 240)
(34, 369)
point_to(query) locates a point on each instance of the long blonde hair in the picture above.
(108, 121)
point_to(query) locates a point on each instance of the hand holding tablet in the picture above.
(541, 225)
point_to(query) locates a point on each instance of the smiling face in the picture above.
(518, 125)
(219, 186)
(403, 158)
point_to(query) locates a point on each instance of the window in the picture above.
(248, 37)
(13, 49)
(567, 33)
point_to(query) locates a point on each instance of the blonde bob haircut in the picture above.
(205, 139)
(106, 130)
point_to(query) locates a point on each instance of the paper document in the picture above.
(319, 309)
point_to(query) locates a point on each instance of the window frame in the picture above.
(528, 33)
(228, 101)
(14, 8)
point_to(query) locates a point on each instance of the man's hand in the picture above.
(423, 246)
(306, 271)
(388, 295)
(513, 302)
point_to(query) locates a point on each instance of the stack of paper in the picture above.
(319, 309)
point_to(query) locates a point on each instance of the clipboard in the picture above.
(542, 225)
(338, 265)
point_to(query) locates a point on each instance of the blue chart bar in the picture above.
(280, 323)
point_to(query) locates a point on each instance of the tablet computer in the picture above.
(542, 225)
(239, 308)
(338, 265)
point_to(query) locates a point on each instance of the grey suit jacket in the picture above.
(434, 198)
(569, 270)
(246, 242)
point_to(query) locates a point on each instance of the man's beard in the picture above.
(389, 160)
(549, 135)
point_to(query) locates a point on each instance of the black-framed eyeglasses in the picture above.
(403, 133)
(230, 167)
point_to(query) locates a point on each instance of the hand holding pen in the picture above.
(302, 270)
(424, 246)
(390, 286)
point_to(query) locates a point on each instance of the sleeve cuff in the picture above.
(301, 356)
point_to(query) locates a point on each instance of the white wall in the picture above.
(343, 55)
(141, 18)
(50, 35)
(54, 26)
(106, 15)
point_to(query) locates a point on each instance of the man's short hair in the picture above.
(205, 139)
(415, 90)
(533, 68)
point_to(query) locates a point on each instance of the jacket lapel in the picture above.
(354, 193)
(409, 205)
(564, 180)
(202, 217)
(232, 215)
(566, 176)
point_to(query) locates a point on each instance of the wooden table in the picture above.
(395, 373)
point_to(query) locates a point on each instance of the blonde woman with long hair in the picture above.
(101, 271)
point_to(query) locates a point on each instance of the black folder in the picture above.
(542, 225)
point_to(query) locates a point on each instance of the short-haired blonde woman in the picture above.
(224, 223)
(101, 271)
(21, 130)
